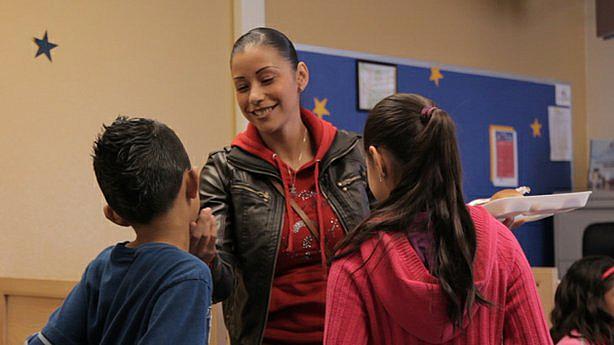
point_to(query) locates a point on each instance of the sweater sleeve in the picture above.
(524, 321)
(346, 321)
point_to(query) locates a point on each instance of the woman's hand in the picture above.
(203, 233)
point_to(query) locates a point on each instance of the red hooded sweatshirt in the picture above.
(297, 305)
(385, 295)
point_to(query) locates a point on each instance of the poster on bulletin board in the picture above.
(476, 100)
(503, 156)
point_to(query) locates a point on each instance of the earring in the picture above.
(380, 178)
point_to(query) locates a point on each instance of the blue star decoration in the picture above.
(44, 46)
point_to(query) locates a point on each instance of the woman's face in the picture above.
(267, 87)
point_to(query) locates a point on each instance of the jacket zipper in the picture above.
(257, 171)
(266, 311)
(332, 205)
(331, 202)
(264, 195)
(348, 181)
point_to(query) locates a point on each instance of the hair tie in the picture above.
(427, 111)
(607, 273)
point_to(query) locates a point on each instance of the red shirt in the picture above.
(297, 307)
(297, 304)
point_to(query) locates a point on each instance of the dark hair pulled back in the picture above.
(424, 145)
(267, 37)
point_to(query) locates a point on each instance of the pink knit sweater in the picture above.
(391, 298)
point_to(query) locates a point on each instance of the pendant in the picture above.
(293, 190)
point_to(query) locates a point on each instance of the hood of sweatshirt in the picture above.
(322, 135)
(410, 294)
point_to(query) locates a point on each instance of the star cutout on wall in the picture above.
(44, 46)
(320, 107)
(436, 75)
(537, 128)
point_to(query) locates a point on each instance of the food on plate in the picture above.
(505, 193)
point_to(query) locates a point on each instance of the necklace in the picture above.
(298, 162)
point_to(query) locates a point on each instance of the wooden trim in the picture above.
(36, 287)
(3, 318)
(39, 288)
(42, 288)
(547, 282)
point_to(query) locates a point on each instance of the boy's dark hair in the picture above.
(267, 37)
(425, 147)
(139, 165)
(579, 304)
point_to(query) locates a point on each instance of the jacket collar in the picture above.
(249, 152)
(343, 144)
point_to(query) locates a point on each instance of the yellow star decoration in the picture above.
(436, 75)
(537, 128)
(320, 107)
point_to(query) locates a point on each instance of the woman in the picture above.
(424, 268)
(284, 194)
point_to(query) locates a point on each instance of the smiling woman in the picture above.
(284, 194)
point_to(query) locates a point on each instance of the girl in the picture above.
(424, 268)
(584, 303)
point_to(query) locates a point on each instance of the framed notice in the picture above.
(503, 156)
(375, 81)
(601, 173)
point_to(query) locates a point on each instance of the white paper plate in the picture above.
(536, 207)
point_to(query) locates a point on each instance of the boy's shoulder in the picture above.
(149, 260)
(102, 260)
(174, 263)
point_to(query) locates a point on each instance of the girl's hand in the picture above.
(513, 224)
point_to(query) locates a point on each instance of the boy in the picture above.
(150, 290)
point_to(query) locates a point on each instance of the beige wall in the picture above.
(162, 59)
(536, 38)
(599, 80)
(168, 60)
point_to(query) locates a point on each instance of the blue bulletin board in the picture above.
(476, 100)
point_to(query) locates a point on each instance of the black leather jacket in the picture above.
(237, 186)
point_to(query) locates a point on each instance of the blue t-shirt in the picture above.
(153, 294)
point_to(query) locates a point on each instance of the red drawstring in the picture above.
(320, 220)
(289, 211)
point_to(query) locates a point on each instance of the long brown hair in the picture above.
(424, 145)
(579, 306)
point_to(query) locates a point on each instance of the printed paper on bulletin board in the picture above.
(503, 156)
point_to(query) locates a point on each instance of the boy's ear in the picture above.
(114, 217)
(192, 179)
